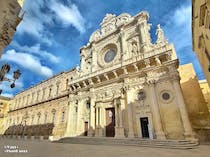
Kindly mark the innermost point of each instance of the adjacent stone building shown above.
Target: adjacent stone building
(201, 33)
(4, 108)
(9, 19)
(195, 101)
(125, 87)
(206, 91)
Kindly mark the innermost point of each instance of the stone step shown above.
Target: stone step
(177, 144)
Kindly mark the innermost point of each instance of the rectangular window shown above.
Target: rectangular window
(43, 94)
(57, 89)
(202, 14)
(63, 116)
(50, 91)
(45, 119)
(88, 105)
(37, 98)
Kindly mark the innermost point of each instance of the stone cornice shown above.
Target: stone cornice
(41, 102)
(152, 53)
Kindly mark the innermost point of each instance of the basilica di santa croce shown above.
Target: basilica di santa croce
(125, 87)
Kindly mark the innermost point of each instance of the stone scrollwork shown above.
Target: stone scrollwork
(109, 24)
(95, 36)
(123, 18)
(152, 77)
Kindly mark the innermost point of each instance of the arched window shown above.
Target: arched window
(45, 118)
(57, 87)
(67, 82)
(32, 119)
(50, 91)
(63, 116)
(53, 115)
(38, 117)
(17, 120)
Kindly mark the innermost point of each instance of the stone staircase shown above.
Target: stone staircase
(175, 144)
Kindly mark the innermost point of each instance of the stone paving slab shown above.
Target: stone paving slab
(38, 148)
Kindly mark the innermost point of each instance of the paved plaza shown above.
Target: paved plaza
(36, 148)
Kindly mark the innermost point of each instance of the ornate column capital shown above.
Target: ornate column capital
(151, 81)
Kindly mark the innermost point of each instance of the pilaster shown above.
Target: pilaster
(70, 125)
(155, 112)
(188, 131)
(119, 129)
(92, 126)
(129, 96)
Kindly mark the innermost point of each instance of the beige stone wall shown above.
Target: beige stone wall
(206, 91)
(46, 102)
(195, 102)
(201, 33)
(191, 90)
(4, 108)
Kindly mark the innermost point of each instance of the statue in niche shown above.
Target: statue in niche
(160, 35)
(78, 68)
(157, 60)
(134, 48)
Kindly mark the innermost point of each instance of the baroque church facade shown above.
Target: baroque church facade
(126, 86)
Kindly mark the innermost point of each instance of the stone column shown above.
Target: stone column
(96, 117)
(80, 122)
(144, 34)
(119, 129)
(123, 48)
(98, 122)
(94, 57)
(116, 114)
(182, 107)
(69, 126)
(155, 112)
(100, 131)
(92, 126)
(129, 96)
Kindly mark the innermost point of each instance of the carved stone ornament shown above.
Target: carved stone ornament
(108, 55)
(141, 95)
(109, 24)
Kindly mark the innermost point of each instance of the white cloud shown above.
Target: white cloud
(9, 95)
(40, 14)
(69, 15)
(28, 61)
(36, 49)
(178, 31)
(35, 21)
(178, 27)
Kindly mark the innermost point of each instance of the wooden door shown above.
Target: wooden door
(86, 129)
(110, 122)
(144, 127)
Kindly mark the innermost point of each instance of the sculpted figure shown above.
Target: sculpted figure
(134, 48)
(160, 35)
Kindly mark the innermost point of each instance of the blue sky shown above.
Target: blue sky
(49, 38)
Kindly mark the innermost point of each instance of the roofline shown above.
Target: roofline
(5, 98)
(62, 72)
